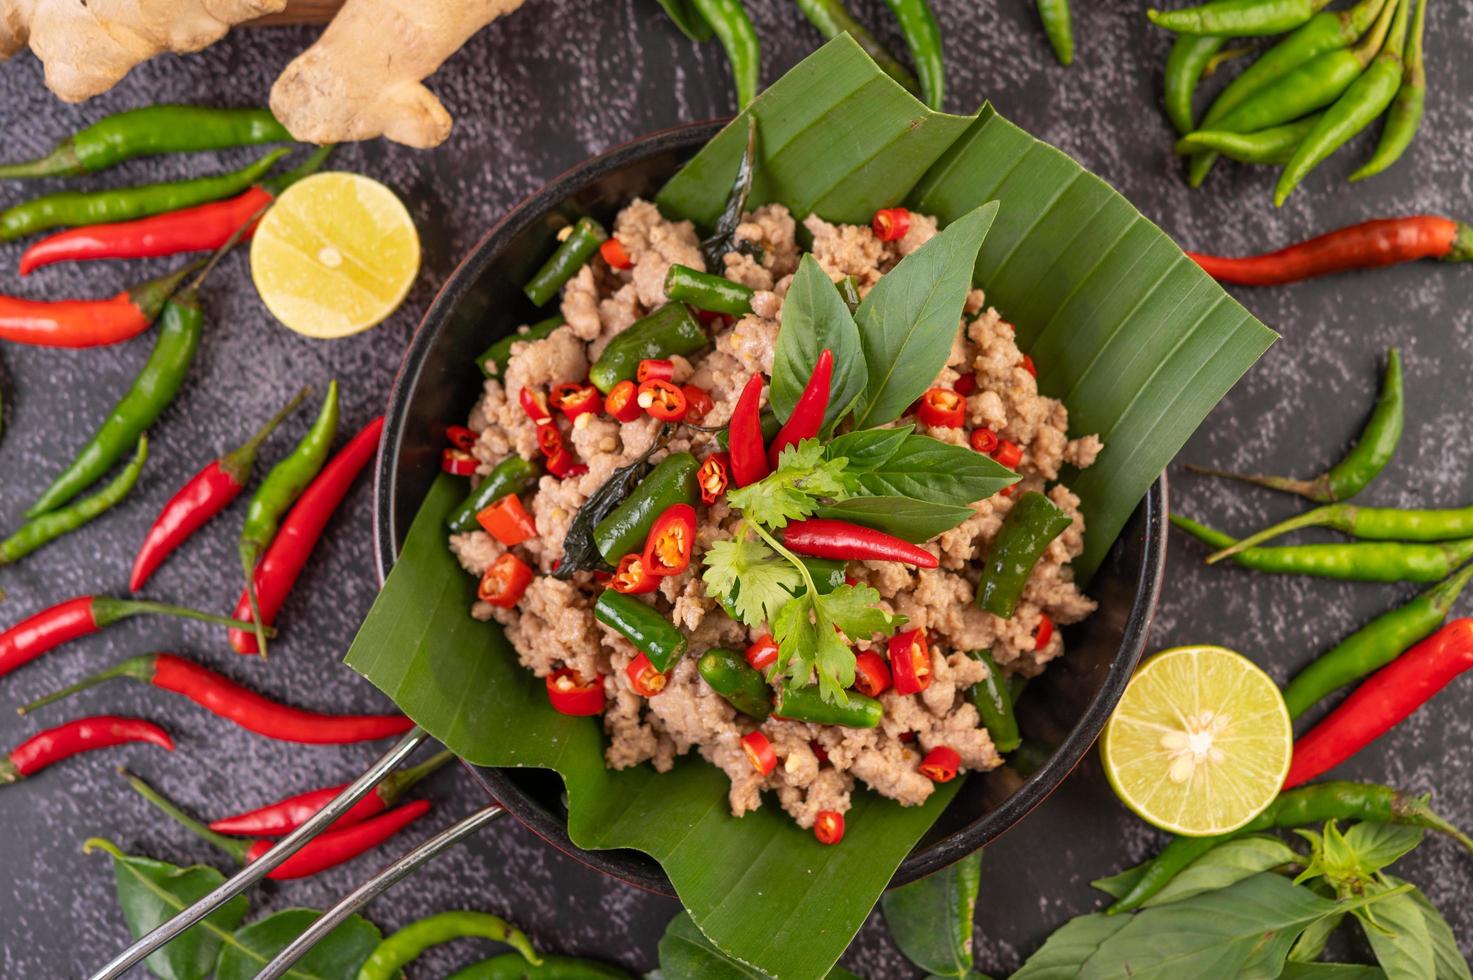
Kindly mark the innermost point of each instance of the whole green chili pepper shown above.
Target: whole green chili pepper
(672, 482)
(399, 949)
(832, 18)
(994, 700)
(737, 681)
(669, 330)
(1374, 645)
(807, 704)
(512, 475)
(923, 37)
(585, 238)
(1273, 145)
(1369, 524)
(733, 28)
(1361, 104)
(1357, 468)
(640, 624)
(704, 291)
(126, 203)
(493, 359)
(278, 491)
(1237, 18)
(1302, 807)
(512, 966)
(1184, 66)
(1026, 531)
(1059, 27)
(1359, 561)
(148, 132)
(48, 527)
(1405, 116)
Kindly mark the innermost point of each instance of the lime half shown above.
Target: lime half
(1200, 742)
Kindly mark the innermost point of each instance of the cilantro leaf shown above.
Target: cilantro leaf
(754, 580)
(809, 645)
(793, 491)
(855, 610)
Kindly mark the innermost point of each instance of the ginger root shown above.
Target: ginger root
(87, 46)
(362, 77)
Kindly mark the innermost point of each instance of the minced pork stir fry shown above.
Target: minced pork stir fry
(718, 593)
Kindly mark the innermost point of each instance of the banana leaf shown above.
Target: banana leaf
(1137, 341)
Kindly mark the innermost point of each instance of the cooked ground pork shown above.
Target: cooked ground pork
(553, 625)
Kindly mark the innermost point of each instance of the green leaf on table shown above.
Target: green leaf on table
(814, 319)
(686, 954)
(1331, 971)
(1380, 845)
(931, 919)
(1396, 928)
(909, 319)
(1311, 943)
(1445, 950)
(914, 520)
(752, 576)
(866, 449)
(1224, 865)
(688, 19)
(1065, 952)
(936, 471)
(152, 892)
(338, 954)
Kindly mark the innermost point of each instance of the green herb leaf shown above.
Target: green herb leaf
(855, 610)
(815, 318)
(752, 575)
(1311, 943)
(1119, 885)
(808, 646)
(931, 919)
(1065, 952)
(905, 517)
(686, 954)
(338, 954)
(1224, 865)
(1397, 931)
(909, 319)
(1446, 953)
(929, 469)
(1379, 845)
(793, 491)
(867, 449)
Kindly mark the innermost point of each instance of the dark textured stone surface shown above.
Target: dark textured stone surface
(531, 96)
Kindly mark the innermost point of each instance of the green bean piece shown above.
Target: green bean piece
(126, 203)
(993, 697)
(43, 530)
(832, 18)
(493, 359)
(807, 704)
(1362, 103)
(512, 475)
(1273, 145)
(668, 331)
(671, 482)
(1405, 116)
(923, 37)
(585, 238)
(704, 291)
(1059, 27)
(1184, 66)
(1360, 561)
(1362, 464)
(512, 966)
(1374, 645)
(737, 681)
(1368, 524)
(1237, 18)
(148, 132)
(733, 28)
(1031, 523)
(648, 629)
(401, 948)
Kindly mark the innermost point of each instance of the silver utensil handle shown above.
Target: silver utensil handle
(263, 866)
(374, 887)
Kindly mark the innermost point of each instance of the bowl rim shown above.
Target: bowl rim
(644, 872)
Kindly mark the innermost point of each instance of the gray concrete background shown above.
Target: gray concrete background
(535, 94)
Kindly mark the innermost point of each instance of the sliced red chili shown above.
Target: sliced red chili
(655, 369)
(763, 653)
(891, 224)
(1008, 454)
(457, 462)
(910, 661)
(633, 577)
(965, 385)
(662, 400)
(460, 437)
(615, 254)
(570, 695)
(714, 477)
(871, 676)
(563, 464)
(644, 678)
(1008, 491)
(622, 402)
(1028, 365)
(671, 541)
(819, 753)
(940, 764)
(534, 403)
(828, 826)
(1044, 633)
(759, 752)
(505, 581)
(984, 440)
(573, 399)
(508, 521)
(942, 408)
(698, 402)
(549, 440)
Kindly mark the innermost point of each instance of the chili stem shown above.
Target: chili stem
(138, 668)
(802, 568)
(106, 611)
(237, 849)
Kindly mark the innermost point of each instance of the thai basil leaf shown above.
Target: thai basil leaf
(1446, 953)
(580, 552)
(338, 954)
(153, 892)
(909, 319)
(1064, 954)
(1379, 845)
(1224, 865)
(686, 954)
(688, 19)
(867, 448)
(1331, 971)
(917, 521)
(1311, 943)
(721, 240)
(929, 469)
(931, 919)
(1397, 931)
(815, 318)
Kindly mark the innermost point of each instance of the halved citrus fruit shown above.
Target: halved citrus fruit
(1200, 742)
(335, 255)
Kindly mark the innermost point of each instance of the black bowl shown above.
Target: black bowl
(438, 382)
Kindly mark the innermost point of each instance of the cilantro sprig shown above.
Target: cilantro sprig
(804, 478)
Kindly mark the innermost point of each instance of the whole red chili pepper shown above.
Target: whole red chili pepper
(88, 322)
(713, 477)
(293, 544)
(206, 494)
(82, 735)
(1379, 704)
(281, 818)
(807, 417)
(220, 695)
(821, 537)
(79, 617)
(1385, 241)
(744, 436)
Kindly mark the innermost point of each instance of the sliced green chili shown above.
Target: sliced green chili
(668, 331)
(512, 475)
(832, 18)
(43, 530)
(1026, 531)
(1406, 112)
(993, 697)
(1273, 145)
(704, 291)
(493, 359)
(640, 624)
(737, 681)
(1058, 25)
(733, 28)
(807, 704)
(923, 37)
(399, 949)
(585, 238)
(1237, 18)
(672, 482)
